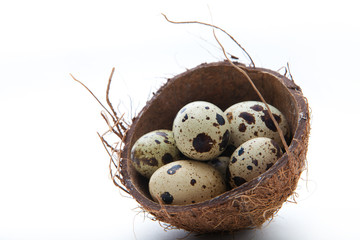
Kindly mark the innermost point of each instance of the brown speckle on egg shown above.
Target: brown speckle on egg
(257, 108)
(240, 151)
(242, 127)
(255, 162)
(163, 134)
(229, 116)
(220, 119)
(248, 117)
(145, 161)
(203, 143)
(167, 198)
(192, 182)
(269, 122)
(150, 162)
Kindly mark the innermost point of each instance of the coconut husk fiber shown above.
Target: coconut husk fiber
(249, 205)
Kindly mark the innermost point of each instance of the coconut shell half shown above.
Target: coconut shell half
(252, 203)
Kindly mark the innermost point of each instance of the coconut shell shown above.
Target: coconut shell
(251, 204)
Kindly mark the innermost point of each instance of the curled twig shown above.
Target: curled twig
(91, 94)
(216, 27)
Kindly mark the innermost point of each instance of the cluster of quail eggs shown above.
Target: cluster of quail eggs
(208, 151)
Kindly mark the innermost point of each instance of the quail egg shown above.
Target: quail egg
(154, 150)
(251, 159)
(186, 182)
(201, 130)
(251, 119)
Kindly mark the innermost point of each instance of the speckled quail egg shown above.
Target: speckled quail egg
(186, 182)
(201, 130)
(154, 150)
(220, 163)
(251, 159)
(251, 119)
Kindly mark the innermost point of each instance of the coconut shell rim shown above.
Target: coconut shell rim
(302, 116)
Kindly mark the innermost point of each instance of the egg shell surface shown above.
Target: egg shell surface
(251, 159)
(251, 119)
(154, 150)
(186, 182)
(201, 130)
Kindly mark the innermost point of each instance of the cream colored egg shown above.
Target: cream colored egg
(251, 119)
(201, 130)
(154, 150)
(185, 182)
(251, 159)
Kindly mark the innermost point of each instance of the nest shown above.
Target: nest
(249, 205)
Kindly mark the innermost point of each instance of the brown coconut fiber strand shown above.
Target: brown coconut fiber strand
(222, 83)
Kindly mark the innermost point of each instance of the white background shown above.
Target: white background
(54, 179)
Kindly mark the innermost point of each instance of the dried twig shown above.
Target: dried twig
(91, 94)
(113, 128)
(213, 26)
(258, 93)
(115, 117)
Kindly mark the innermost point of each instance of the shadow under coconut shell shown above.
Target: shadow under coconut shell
(249, 234)
(268, 232)
(242, 234)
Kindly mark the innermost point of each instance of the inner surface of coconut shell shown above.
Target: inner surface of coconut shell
(221, 84)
